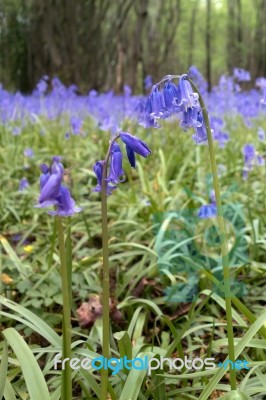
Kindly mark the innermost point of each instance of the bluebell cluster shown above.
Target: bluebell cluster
(172, 99)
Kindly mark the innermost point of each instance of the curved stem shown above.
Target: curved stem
(223, 239)
(66, 385)
(106, 285)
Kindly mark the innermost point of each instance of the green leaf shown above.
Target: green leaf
(32, 373)
(134, 381)
(3, 369)
(235, 395)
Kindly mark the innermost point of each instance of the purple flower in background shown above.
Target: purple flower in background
(67, 135)
(261, 134)
(251, 158)
(28, 152)
(23, 184)
(207, 211)
(148, 82)
(241, 75)
(53, 193)
(134, 145)
(16, 131)
(222, 138)
(76, 124)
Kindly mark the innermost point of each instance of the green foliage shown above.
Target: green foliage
(174, 179)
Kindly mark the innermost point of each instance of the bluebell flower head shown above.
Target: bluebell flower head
(171, 92)
(98, 170)
(52, 193)
(190, 119)
(207, 211)
(50, 189)
(28, 152)
(23, 184)
(76, 125)
(66, 206)
(200, 135)
(261, 134)
(116, 168)
(148, 82)
(187, 97)
(249, 153)
(134, 145)
(241, 75)
(45, 175)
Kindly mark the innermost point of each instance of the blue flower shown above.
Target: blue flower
(171, 92)
(207, 211)
(98, 170)
(200, 135)
(53, 193)
(261, 134)
(116, 168)
(28, 152)
(23, 184)
(66, 206)
(187, 97)
(134, 145)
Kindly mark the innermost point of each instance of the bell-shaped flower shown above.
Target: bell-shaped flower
(187, 97)
(66, 206)
(134, 145)
(52, 193)
(116, 168)
(98, 170)
(45, 175)
(50, 188)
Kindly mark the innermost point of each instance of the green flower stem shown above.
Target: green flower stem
(66, 385)
(105, 285)
(224, 245)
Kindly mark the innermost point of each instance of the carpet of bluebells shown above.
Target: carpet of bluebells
(151, 266)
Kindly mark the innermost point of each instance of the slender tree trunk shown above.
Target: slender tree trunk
(191, 33)
(208, 45)
(230, 35)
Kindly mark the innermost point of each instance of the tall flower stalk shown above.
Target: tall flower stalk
(108, 173)
(223, 240)
(185, 100)
(53, 193)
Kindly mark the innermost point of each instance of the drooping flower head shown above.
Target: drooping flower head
(53, 193)
(133, 146)
(174, 99)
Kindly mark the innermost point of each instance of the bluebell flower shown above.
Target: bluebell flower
(241, 75)
(116, 168)
(50, 189)
(98, 170)
(251, 158)
(52, 192)
(28, 152)
(76, 124)
(148, 82)
(200, 136)
(171, 92)
(190, 119)
(16, 131)
(45, 175)
(23, 184)
(261, 134)
(134, 145)
(207, 211)
(66, 206)
(187, 97)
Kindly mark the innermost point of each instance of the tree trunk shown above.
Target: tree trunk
(208, 45)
